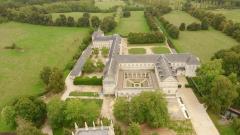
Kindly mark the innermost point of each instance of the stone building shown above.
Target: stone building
(128, 75)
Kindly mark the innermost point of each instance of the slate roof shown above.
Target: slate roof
(162, 63)
(77, 69)
(92, 131)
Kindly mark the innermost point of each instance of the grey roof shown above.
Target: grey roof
(92, 131)
(77, 69)
(162, 63)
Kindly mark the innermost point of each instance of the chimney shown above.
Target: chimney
(86, 127)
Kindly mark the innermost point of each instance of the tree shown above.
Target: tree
(149, 107)
(26, 128)
(182, 27)
(55, 112)
(70, 21)
(61, 20)
(100, 66)
(204, 24)
(126, 14)
(236, 125)
(56, 81)
(95, 21)
(222, 94)
(118, 129)
(134, 129)
(86, 14)
(88, 67)
(121, 110)
(31, 109)
(96, 51)
(105, 52)
(45, 74)
(83, 22)
(108, 24)
(8, 114)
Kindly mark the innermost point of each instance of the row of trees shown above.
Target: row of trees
(87, 81)
(171, 29)
(194, 26)
(150, 21)
(142, 38)
(217, 21)
(147, 107)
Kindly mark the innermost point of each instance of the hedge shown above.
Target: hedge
(87, 81)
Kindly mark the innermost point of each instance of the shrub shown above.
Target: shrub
(236, 125)
(172, 30)
(87, 81)
(142, 38)
(182, 27)
(126, 14)
(194, 26)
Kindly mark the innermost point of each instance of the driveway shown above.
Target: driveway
(201, 122)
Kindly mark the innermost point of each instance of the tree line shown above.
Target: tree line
(143, 38)
(217, 21)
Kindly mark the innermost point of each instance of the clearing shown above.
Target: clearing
(106, 4)
(232, 14)
(201, 43)
(41, 46)
(135, 23)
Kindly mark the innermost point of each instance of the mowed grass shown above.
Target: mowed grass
(106, 4)
(135, 23)
(77, 15)
(136, 51)
(160, 50)
(42, 46)
(177, 17)
(231, 14)
(200, 43)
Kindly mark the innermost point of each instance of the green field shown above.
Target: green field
(41, 46)
(135, 23)
(233, 14)
(160, 50)
(201, 43)
(136, 51)
(106, 4)
(177, 17)
(77, 15)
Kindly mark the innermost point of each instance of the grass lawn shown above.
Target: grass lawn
(200, 43)
(223, 129)
(89, 94)
(160, 50)
(135, 23)
(106, 4)
(136, 51)
(177, 17)
(42, 46)
(231, 14)
(77, 15)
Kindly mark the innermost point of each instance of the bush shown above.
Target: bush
(194, 26)
(87, 81)
(236, 125)
(172, 30)
(143, 38)
(182, 27)
(126, 13)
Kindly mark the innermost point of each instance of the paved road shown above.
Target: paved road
(202, 123)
